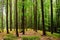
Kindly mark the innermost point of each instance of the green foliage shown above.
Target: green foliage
(10, 37)
(56, 35)
(30, 38)
(29, 14)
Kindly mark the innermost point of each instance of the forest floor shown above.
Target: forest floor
(32, 33)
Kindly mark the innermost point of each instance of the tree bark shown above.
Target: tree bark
(10, 15)
(23, 18)
(51, 17)
(7, 17)
(2, 16)
(43, 26)
(16, 18)
(35, 15)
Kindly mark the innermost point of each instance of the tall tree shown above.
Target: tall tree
(2, 14)
(57, 13)
(7, 16)
(16, 18)
(31, 15)
(19, 15)
(43, 26)
(35, 15)
(55, 29)
(51, 16)
(23, 18)
(10, 15)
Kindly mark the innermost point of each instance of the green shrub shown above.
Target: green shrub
(10, 37)
(30, 38)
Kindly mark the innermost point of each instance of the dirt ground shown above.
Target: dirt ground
(31, 33)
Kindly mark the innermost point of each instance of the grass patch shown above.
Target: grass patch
(56, 35)
(30, 38)
(10, 37)
(53, 35)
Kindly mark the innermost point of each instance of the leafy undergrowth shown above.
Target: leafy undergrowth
(30, 33)
(56, 35)
(10, 37)
(49, 36)
(30, 38)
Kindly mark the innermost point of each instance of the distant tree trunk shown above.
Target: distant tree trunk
(2, 15)
(19, 21)
(55, 29)
(26, 23)
(51, 17)
(23, 18)
(35, 15)
(57, 13)
(10, 15)
(31, 17)
(7, 17)
(39, 21)
(26, 20)
(43, 26)
(16, 18)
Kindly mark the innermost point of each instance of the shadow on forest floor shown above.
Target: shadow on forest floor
(33, 33)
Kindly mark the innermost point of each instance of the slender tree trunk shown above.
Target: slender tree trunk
(10, 15)
(7, 17)
(16, 18)
(51, 17)
(25, 25)
(31, 16)
(39, 21)
(43, 26)
(23, 18)
(2, 15)
(57, 13)
(35, 15)
(19, 21)
(56, 17)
